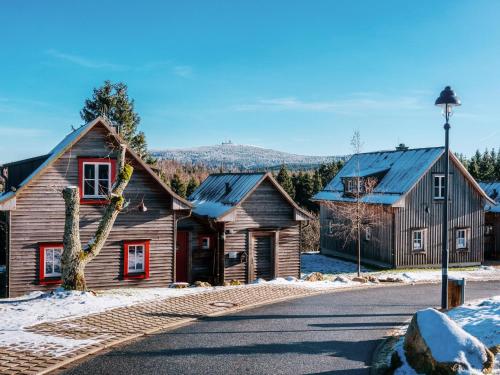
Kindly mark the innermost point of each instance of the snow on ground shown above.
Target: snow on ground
(315, 262)
(480, 319)
(38, 307)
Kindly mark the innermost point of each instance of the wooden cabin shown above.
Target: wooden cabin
(492, 221)
(407, 201)
(139, 251)
(244, 227)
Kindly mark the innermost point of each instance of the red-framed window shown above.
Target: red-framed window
(95, 179)
(50, 270)
(136, 259)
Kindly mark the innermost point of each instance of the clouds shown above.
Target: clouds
(183, 71)
(355, 103)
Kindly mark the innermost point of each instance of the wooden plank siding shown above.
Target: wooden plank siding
(39, 217)
(422, 211)
(265, 209)
(378, 250)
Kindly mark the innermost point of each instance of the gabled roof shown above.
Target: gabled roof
(399, 171)
(66, 144)
(221, 193)
(493, 191)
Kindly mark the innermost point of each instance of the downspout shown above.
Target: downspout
(218, 268)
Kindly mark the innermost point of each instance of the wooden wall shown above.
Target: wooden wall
(422, 211)
(264, 209)
(39, 217)
(492, 252)
(378, 250)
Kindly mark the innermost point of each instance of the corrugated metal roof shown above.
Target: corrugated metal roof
(493, 191)
(221, 192)
(402, 168)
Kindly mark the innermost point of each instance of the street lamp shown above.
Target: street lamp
(447, 100)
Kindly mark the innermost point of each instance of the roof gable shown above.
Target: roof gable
(69, 141)
(220, 194)
(402, 171)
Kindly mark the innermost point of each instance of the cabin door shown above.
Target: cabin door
(181, 257)
(262, 259)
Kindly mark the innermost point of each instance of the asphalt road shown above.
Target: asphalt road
(334, 333)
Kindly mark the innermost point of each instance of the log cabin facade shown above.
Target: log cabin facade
(492, 221)
(244, 227)
(407, 201)
(139, 251)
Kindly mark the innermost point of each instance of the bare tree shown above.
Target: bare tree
(75, 257)
(352, 218)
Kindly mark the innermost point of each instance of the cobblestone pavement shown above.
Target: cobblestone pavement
(93, 333)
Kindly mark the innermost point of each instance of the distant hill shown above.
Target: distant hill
(242, 157)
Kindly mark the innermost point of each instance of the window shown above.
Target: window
(418, 240)
(368, 233)
(205, 243)
(136, 260)
(50, 263)
(330, 227)
(96, 177)
(439, 186)
(462, 238)
(350, 186)
(488, 230)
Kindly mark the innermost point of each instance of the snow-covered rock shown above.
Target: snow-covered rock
(434, 344)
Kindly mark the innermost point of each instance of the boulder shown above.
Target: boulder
(179, 285)
(202, 284)
(359, 279)
(315, 276)
(342, 279)
(434, 344)
(373, 279)
(391, 280)
(232, 283)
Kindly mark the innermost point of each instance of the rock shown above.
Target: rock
(202, 284)
(179, 285)
(232, 283)
(373, 279)
(434, 344)
(359, 279)
(315, 276)
(391, 280)
(342, 279)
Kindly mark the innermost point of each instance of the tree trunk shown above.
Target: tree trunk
(75, 258)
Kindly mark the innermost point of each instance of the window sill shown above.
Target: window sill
(465, 250)
(50, 281)
(135, 276)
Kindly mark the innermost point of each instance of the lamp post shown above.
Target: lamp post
(447, 100)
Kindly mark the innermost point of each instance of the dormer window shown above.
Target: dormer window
(354, 185)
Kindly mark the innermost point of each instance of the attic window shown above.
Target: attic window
(96, 175)
(354, 185)
(438, 186)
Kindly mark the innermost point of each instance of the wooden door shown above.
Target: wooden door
(181, 257)
(262, 256)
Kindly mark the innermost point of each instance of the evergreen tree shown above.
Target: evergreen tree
(304, 188)
(191, 186)
(111, 101)
(178, 186)
(473, 165)
(285, 180)
(317, 182)
(327, 172)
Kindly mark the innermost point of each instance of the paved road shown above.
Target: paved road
(332, 333)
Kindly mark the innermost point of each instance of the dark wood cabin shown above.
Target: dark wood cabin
(407, 202)
(140, 249)
(492, 221)
(244, 227)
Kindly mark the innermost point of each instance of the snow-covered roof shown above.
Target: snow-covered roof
(221, 193)
(493, 191)
(66, 144)
(400, 171)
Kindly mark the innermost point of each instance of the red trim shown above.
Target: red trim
(80, 178)
(42, 280)
(139, 275)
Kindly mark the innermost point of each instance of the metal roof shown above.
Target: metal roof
(402, 168)
(490, 188)
(220, 192)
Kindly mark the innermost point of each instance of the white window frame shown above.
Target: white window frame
(330, 226)
(422, 233)
(205, 243)
(96, 178)
(368, 233)
(135, 247)
(46, 260)
(440, 186)
(350, 185)
(462, 243)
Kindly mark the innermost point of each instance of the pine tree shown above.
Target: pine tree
(111, 101)
(191, 187)
(178, 186)
(285, 180)
(317, 182)
(473, 165)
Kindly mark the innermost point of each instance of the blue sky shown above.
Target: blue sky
(298, 76)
